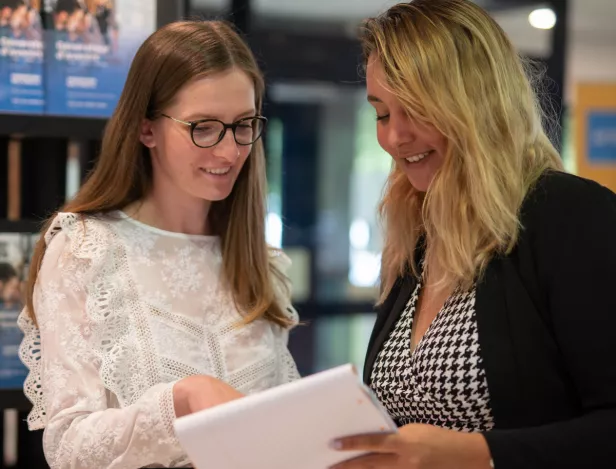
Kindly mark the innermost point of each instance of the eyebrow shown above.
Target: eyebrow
(200, 116)
(374, 99)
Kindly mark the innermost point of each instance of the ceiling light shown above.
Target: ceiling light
(542, 18)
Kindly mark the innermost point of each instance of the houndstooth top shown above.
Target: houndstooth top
(442, 382)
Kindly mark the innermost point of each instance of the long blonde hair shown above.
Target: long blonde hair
(168, 59)
(452, 66)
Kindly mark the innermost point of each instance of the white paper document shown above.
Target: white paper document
(287, 427)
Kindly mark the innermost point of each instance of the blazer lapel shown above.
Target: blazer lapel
(391, 314)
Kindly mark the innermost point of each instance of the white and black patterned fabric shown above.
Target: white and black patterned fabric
(442, 382)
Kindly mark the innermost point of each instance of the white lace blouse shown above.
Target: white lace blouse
(124, 310)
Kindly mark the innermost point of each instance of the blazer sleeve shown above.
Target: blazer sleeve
(573, 236)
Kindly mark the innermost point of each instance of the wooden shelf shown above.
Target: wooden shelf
(14, 399)
(27, 125)
(20, 226)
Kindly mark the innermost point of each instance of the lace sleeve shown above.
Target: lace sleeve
(283, 293)
(69, 398)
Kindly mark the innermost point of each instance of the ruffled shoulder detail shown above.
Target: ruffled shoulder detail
(30, 355)
(86, 239)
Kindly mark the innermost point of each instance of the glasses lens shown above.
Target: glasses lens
(248, 130)
(207, 133)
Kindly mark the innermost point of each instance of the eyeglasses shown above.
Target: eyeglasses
(206, 133)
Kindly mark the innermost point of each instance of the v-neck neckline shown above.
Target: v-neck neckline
(415, 297)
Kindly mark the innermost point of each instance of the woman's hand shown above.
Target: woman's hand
(196, 393)
(417, 446)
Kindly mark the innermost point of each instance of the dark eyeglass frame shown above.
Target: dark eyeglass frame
(193, 125)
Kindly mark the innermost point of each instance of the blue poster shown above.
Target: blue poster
(15, 253)
(88, 52)
(601, 136)
(21, 57)
(12, 371)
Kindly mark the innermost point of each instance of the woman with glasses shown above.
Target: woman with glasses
(153, 293)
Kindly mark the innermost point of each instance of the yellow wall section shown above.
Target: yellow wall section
(589, 97)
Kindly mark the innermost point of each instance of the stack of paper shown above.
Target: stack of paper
(287, 427)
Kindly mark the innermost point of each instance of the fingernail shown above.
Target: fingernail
(335, 444)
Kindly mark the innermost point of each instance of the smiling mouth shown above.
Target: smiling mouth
(216, 171)
(418, 157)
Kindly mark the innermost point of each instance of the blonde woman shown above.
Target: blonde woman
(153, 293)
(495, 341)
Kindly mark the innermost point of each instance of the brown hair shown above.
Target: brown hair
(168, 60)
(452, 66)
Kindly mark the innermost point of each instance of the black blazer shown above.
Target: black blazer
(546, 317)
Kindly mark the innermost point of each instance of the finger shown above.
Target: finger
(378, 443)
(370, 461)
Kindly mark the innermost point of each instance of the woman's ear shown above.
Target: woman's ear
(147, 133)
